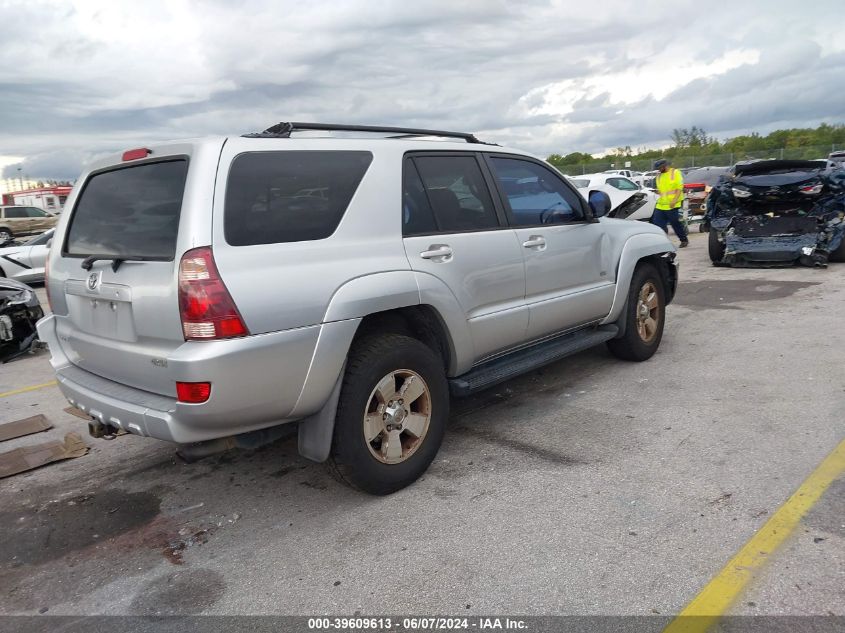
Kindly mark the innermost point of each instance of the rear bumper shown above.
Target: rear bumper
(776, 250)
(257, 382)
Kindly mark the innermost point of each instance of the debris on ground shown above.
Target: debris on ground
(28, 457)
(79, 413)
(721, 498)
(189, 538)
(24, 426)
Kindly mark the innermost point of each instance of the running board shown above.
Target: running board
(511, 365)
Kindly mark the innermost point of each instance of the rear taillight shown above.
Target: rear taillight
(193, 392)
(207, 309)
(812, 190)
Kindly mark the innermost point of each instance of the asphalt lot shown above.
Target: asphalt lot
(593, 486)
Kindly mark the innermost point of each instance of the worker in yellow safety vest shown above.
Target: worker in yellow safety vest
(670, 189)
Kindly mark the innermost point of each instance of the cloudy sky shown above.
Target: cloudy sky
(82, 78)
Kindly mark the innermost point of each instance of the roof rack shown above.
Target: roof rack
(284, 129)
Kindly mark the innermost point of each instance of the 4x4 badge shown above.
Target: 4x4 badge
(93, 280)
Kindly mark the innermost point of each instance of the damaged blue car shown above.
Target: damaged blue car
(777, 213)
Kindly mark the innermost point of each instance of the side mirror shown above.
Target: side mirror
(599, 203)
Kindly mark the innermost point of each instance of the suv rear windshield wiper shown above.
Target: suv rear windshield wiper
(117, 260)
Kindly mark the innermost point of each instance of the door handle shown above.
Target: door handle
(535, 241)
(438, 253)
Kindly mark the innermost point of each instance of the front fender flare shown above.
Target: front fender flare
(635, 248)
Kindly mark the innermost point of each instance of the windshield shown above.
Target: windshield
(129, 212)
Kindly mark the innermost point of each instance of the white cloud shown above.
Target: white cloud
(83, 77)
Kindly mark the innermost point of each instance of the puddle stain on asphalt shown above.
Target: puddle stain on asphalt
(82, 542)
(39, 534)
(182, 593)
(719, 295)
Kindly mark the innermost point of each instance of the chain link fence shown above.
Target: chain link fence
(711, 160)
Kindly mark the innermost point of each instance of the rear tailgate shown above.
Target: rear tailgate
(118, 317)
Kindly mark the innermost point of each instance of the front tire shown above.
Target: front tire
(715, 248)
(391, 416)
(645, 314)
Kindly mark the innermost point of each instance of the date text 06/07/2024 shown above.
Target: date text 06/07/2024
(415, 624)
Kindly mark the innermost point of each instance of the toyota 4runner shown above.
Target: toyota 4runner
(211, 292)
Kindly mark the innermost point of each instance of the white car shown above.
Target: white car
(25, 261)
(627, 199)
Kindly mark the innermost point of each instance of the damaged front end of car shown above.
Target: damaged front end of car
(778, 213)
(629, 207)
(19, 312)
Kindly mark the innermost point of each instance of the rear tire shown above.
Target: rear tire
(391, 416)
(5, 236)
(645, 314)
(715, 248)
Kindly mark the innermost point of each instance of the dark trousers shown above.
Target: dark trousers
(673, 216)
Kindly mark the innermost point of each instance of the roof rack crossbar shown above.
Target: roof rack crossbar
(284, 129)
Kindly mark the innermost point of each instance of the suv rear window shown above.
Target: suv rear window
(130, 211)
(292, 196)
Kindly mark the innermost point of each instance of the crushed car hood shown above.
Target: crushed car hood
(775, 212)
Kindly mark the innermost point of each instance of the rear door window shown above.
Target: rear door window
(293, 196)
(16, 212)
(417, 216)
(457, 193)
(131, 211)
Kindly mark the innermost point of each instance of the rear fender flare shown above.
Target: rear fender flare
(368, 295)
(380, 292)
(635, 248)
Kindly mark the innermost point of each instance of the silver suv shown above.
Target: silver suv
(213, 292)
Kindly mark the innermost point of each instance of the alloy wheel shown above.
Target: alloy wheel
(397, 416)
(648, 312)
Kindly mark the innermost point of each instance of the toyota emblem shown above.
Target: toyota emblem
(93, 281)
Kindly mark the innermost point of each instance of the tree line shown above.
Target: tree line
(695, 141)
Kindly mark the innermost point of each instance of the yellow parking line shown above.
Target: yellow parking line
(720, 593)
(15, 392)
